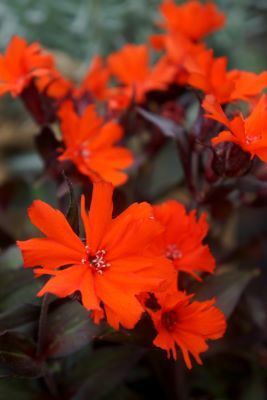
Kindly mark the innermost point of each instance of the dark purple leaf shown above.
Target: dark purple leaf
(18, 316)
(108, 369)
(47, 145)
(168, 127)
(17, 357)
(226, 286)
(69, 328)
(73, 210)
(12, 280)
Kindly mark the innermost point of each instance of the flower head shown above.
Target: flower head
(187, 325)
(94, 83)
(90, 145)
(96, 80)
(249, 133)
(181, 241)
(55, 85)
(191, 19)
(209, 74)
(111, 268)
(131, 67)
(20, 64)
(179, 51)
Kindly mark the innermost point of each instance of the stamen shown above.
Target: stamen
(96, 261)
(85, 153)
(82, 151)
(253, 139)
(172, 252)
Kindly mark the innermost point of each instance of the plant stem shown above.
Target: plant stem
(42, 325)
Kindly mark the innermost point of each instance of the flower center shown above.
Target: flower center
(253, 139)
(96, 261)
(83, 152)
(169, 320)
(172, 252)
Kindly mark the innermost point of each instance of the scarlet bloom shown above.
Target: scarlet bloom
(131, 67)
(20, 64)
(94, 84)
(90, 145)
(192, 19)
(210, 75)
(182, 239)
(187, 325)
(249, 133)
(179, 49)
(55, 85)
(96, 80)
(111, 268)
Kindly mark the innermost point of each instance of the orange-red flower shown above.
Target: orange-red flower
(55, 85)
(187, 325)
(90, 145)
(181, 241)
(96, 80)
(191, 19)
(179, 51)
(94, 83)
(210, 75)
(111, 268)
(249, 133)
(20, 64)
(131, 67)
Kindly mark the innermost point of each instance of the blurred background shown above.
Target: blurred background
(77, 29)
(82, 27)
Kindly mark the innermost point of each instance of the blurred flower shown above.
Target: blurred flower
(209, 74)
(95, 80)
(249, 133)
(187, 325)
(21, 64)
(191, 19)
(55, 85)
(130, 66)
(111, 268)
(90, 145)
(181, 241)
(179, 49)
(94, 83)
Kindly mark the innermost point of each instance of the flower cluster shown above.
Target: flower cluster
(124, 261)
(133, 265)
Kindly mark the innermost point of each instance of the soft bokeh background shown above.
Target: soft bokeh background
(83, 27)
(77, 29)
